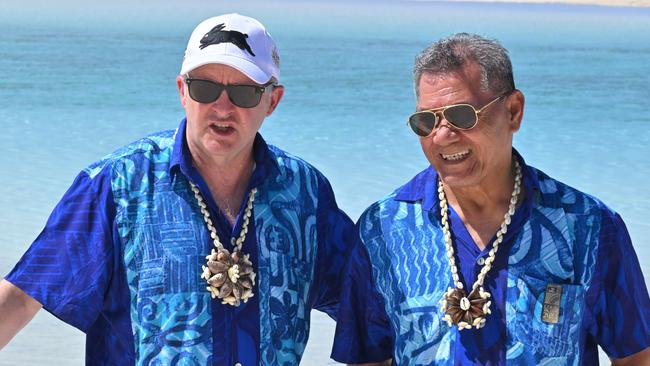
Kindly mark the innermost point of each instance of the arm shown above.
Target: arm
(621, 306)
(638, 359)
(363, 332)
(68, 267)
(16, 310)
(335, 236)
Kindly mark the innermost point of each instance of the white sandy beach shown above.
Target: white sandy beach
(636, 3)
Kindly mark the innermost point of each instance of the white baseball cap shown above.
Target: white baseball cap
(237, 41)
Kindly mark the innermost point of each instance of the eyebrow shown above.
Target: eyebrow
(447, 105)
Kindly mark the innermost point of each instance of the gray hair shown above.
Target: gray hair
(451, 54)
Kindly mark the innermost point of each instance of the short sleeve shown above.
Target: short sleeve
(363, 332)
(620, 296)
(335, 236)
(67, 268)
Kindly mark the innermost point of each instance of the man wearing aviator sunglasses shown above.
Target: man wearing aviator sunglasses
(481, 259)
(461, 116)
(202, 245)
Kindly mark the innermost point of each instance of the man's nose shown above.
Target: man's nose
(223, 102)
(445, 133)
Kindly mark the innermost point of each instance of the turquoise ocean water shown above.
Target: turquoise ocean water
(80, 79)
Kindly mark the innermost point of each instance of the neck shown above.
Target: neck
(482, 208)
(227, 180)
(477, 202)
(226, 175)
(484, 197)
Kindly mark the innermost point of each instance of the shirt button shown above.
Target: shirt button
(481, 261)
(238, 364)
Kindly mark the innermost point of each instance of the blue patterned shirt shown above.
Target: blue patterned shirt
(120, 258)
(399, 273)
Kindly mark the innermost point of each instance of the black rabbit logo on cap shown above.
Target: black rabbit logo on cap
(217, 35)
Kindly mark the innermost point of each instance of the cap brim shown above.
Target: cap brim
(245, 66)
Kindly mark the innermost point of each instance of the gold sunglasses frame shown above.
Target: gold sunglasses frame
(441, 110)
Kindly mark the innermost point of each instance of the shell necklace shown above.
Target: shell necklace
(467, 311)
(230, 276)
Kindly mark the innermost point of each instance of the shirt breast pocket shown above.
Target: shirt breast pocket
(538, 332)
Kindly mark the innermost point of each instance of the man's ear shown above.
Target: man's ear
(276, 96)
(180, 83)
(515, 106)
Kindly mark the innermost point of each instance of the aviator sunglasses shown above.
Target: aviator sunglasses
(461, 116)
(241, 95)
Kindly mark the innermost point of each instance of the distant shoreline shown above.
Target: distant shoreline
(627, 3)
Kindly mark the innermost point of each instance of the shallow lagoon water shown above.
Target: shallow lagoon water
(81, 81)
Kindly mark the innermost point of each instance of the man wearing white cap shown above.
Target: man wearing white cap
(202, 245)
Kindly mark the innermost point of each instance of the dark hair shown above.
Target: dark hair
(452, 53)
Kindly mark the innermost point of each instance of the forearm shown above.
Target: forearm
(638, 359)
(16, 310)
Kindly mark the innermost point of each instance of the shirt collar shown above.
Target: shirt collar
(181, 158)
(423, 187)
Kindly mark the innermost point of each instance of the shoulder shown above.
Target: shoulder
(151, 148)
(402, 209)
(555, 194)
(289, 165)
(379, 216)
(373, 211)
(405, 202)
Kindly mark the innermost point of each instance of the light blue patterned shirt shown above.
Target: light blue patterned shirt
(120, 258)
(398, 275)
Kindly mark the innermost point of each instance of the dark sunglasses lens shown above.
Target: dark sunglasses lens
(422, 123)
(204, 91)
(244, 96)
(461, 116)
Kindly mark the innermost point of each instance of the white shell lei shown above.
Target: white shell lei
(224, 271)
(469, 310)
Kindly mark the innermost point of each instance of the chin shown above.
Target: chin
(456, 180)
(461, 175)
(215, 147)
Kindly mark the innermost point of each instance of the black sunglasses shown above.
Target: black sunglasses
(461, 116)
(241, 95)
